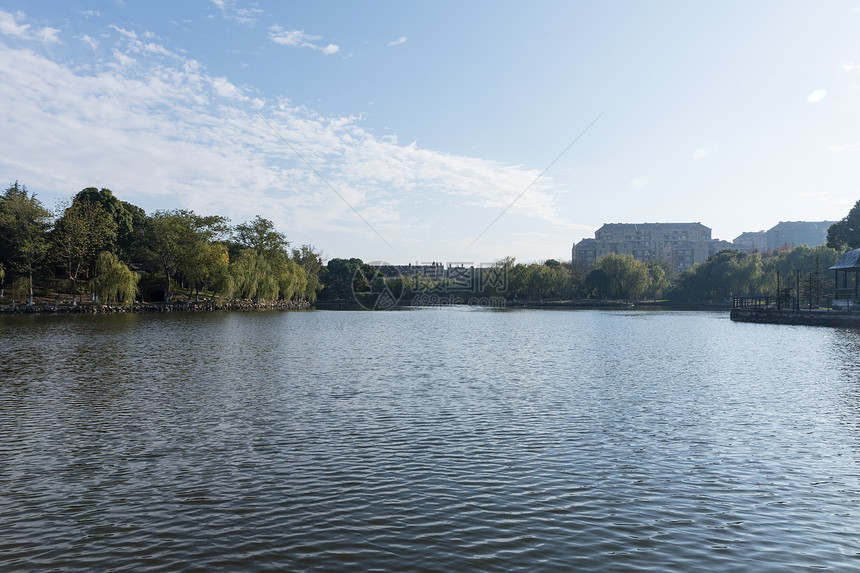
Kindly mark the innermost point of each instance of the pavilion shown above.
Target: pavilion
(849, 261)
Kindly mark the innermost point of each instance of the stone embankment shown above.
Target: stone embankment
(236, 305)
(797, 317)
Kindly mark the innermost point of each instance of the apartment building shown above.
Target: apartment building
(788, 234)
(680, 244)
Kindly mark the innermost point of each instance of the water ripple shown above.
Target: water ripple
(427, 441)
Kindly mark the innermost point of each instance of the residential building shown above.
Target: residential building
(751, 241)
(680, 244)
(784, 234)
(795, 233)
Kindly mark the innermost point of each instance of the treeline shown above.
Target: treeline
(102, 246)
(798, 272)
(107, 249)
(787, 273)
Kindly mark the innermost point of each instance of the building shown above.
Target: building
(795, 233)
(680, 244)
(788, 234)
(751, 241)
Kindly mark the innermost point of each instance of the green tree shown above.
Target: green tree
(659, 277)
(115, 283)
(202, 258)
(343, 277)
(812, 262)
(167, 234)
(845, 234)
(124, 215)
(266, 270)
(131, 244)
(253, 277)
(260, 235)
(597, 283)
(179, 243)
(311, 262)
(725, 274)
(628, 278)
(24, 224)
(82, 231)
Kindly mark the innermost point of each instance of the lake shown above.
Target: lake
(427, 440)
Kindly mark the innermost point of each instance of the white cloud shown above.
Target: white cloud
(298, 39)
(398, 42)
(700, 153)
(816, 96)
(10, 26)
(841, 148)
(639, 182)
(246, 16)
(93, 43)
(162, 133)
(224, 88)
(123, 59)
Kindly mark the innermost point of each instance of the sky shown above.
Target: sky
(443, 131)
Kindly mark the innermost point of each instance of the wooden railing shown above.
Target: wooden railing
(762, 302)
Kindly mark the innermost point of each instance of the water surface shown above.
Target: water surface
(427, 440)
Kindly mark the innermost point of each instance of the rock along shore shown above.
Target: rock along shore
(237, 305)
(834, 318)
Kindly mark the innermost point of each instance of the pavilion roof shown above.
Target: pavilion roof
(849, 261)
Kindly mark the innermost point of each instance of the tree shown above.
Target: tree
(130, 244)
(115, 282)
(83, 230)
(177, 242)
(813, 262)
(845, 234)
(628, 278)
(659, 277)
(114, 209)
(203, 257)
(597, 283)
(311, 262)
(260, 235)
(167, 233)
(252, 276)
(343, 277)
(24, 223)
(210, 269)
(266, 270)
(725, 274)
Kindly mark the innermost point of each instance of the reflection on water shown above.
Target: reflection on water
(429, 440)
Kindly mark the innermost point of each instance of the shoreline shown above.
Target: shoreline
(831, 318)
(151, 307)
(248, 306)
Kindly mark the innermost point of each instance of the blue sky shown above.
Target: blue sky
(400, 131)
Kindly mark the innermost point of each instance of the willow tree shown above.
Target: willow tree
(267, 277)
(253, 276)
(115, 283)
(311, 262)
(628, 278)
(265, 270)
